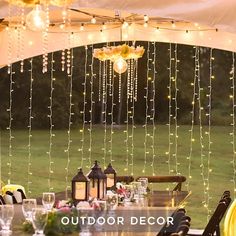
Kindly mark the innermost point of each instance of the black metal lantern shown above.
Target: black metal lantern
(98, 182)
(111, 176)
(80, 187)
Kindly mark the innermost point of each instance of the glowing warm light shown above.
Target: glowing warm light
(125, 24)
(145, 24)
(104, 26)
(82, 27)
(120, 65)
(173, 24)
(146, 18)
(93, 20)
(36, 20)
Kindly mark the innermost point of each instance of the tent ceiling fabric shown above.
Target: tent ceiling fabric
(209, 14)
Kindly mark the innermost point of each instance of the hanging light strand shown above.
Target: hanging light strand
(132, 114)
(91, 108)
(45, 42)
(136, 81)
(147, 116)
(154, 108)
(209, 169)
(22, 39)
(175, 154)
(82, 130)
(50, 116)
(201, 140)
(194, 97)
(100, 81)
(169, 111)
(29, 174)
(104, 111)
(10, 40)
(9, 163)
(112, 84)
(68, 150)
(126, 131)
(232, 97)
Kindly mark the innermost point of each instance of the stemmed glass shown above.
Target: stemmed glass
(6, 216)
(27, 207)
(48, 200)
(39, 220)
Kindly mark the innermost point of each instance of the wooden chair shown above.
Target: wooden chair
(213, 226)
(166, 179)
(125, 179)
(181, 224)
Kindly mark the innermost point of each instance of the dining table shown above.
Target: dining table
(155, 208)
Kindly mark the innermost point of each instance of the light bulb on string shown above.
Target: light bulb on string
(93, 20)
(36, 20)
(82, 27)
(120, 65)
(104, 26)
(145, 18)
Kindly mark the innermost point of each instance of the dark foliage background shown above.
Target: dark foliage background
(221, 106)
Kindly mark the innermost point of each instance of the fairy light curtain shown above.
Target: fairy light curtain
(101, 85)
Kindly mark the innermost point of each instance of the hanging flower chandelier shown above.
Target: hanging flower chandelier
(118, 55)
(31, 3)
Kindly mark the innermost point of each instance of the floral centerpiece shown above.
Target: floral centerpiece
(121, 51)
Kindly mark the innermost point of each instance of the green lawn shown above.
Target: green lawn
(220, 178)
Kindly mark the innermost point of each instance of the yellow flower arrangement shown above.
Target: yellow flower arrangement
(113, 53)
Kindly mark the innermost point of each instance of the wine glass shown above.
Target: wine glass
(39, 220)
(6, 216)
(48, 200)
(27, 207)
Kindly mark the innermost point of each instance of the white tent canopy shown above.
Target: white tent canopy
(210, 23)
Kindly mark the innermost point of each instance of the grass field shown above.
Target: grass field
(220, 178)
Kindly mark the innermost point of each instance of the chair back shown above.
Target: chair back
(214, 222)
(181, 224)
(166, 179)
(125, 179)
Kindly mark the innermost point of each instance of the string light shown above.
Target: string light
(112, 84)
(168, 153)
(10, 38)
(146, 18)
(132, 122)
(82, 131)
(104, 110)
(29, 181)
(232, 97)
(201, 140)
(209, 170)
(175, 154)
(91, 108)
(50, 116)
(192, 140)
(9, 163)
(136, 81)
(70, 77)
(126, 131)
(93, 20)
(153, 109)
(45, 42)
(120, 84)
(147, 116)
(22, 29)
(99, 80)
(82, 27)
